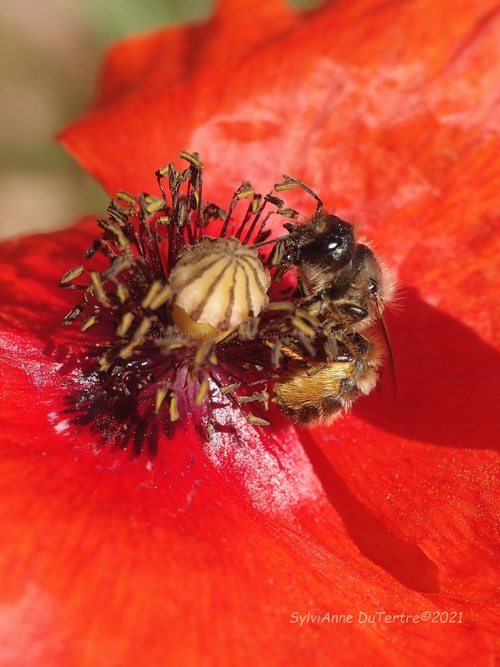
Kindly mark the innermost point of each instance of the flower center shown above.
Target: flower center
(195, 332)
(218, 285)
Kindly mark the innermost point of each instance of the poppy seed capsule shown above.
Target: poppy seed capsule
(219, 283)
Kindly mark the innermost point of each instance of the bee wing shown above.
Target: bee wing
(385, 335)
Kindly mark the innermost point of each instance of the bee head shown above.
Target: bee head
(325, 242)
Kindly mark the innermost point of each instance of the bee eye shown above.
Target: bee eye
(335, 246)
(323, 246)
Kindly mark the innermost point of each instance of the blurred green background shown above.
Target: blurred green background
(49, 56)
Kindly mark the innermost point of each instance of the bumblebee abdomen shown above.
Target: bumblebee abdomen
(310, 397)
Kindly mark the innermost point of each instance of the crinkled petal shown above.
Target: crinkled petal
(214, 555)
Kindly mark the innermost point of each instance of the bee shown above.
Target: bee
(342, 284)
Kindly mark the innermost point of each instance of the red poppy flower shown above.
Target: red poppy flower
(374, 540)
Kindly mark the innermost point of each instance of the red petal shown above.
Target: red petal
(119, 557)
(175, 81)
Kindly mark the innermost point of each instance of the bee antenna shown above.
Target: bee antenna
(290, 183)
(280, 238)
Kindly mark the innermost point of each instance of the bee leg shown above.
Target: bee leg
(312, 301)
(303, 287)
